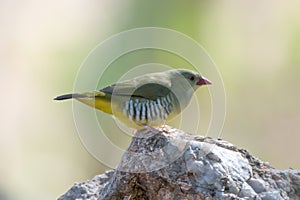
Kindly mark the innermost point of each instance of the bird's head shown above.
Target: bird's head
(193, 78)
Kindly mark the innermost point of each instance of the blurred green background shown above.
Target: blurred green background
(256, 46)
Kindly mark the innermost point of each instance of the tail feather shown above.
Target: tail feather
(96, 99)
(69, 96)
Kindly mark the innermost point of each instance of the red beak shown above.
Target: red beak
(203, 81)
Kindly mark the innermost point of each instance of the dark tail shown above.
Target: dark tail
(69, 96)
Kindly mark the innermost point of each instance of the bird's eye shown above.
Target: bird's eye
(192, 78)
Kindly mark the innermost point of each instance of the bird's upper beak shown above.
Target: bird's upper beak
(203, 81)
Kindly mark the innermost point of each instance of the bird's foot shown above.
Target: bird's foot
(165, 128)
(151, 129)
(148, 131)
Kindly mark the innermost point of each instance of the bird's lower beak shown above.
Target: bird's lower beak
(204, 81)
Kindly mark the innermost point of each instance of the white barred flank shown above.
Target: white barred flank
(142, 110)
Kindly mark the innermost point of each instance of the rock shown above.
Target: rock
(176, 165)
(258, 185)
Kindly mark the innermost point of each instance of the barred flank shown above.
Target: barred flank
(142, 110)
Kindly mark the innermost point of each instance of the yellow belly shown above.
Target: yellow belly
(122, 107)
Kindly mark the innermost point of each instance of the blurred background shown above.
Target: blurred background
(255, 44)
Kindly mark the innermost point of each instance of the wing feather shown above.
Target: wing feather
(150, 86)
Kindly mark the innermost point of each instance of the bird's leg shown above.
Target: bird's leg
(147, 132)
(164, 127)
(135, 131)
(151, 129)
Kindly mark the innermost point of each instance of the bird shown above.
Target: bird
(148, 100)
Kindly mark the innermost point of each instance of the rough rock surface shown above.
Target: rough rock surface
(176, 165)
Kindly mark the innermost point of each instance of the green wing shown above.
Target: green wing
(150, 91)
(148, 86)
